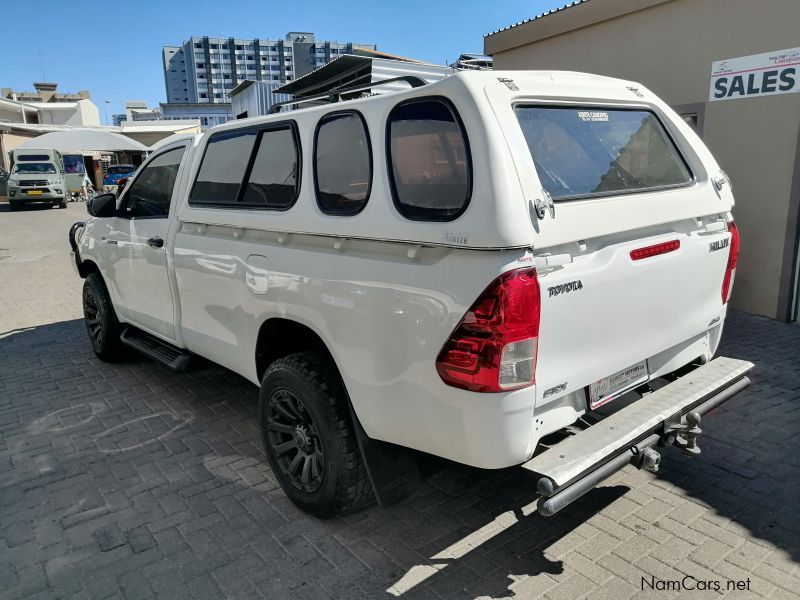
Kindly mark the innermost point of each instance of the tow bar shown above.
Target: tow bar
(669, 416)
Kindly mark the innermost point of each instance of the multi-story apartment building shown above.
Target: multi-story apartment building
(205, 69)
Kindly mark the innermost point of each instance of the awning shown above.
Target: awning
(83, 140)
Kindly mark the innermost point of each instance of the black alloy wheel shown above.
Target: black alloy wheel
(101, 321)
(91, 313)
(308, 435)
(294, 439)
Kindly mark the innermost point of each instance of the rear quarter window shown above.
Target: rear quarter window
(581, 152)
(430, 167)
(342, 163)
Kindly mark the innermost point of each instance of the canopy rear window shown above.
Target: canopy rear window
(582, 152)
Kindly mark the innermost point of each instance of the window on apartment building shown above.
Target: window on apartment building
(224, 46)
(198, 45)
(204, 95)
(342, 163)
(214, 46)
(201, 65)
(273, 179)
(226, 76)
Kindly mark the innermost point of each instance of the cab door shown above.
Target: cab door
(142, 282)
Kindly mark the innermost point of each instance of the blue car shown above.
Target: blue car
(114, 174)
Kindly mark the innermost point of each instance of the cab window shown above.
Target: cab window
(223, 168)
(273, 181)
(151, 191)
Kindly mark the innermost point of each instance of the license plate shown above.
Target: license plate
(34, 192)
(612, 386)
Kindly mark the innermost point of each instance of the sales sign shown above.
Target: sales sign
(764, 74)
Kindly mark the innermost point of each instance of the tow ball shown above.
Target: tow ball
(686, 436)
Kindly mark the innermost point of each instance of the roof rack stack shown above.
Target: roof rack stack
(335, 95)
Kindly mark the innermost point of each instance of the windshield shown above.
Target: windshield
(582, 152)
(74, 164)
(34, 168)
(118, 170)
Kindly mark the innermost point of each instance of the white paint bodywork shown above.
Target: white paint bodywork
(384, 293)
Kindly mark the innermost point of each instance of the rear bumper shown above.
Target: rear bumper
(572, 467)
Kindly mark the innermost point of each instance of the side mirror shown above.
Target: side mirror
(102, 206)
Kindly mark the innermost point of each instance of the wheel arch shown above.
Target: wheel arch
(279, 337)
(85, 267)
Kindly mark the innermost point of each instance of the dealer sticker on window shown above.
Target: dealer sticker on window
(612, 386)
(592, 115)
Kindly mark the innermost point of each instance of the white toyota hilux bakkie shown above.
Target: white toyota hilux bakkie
(499, 268)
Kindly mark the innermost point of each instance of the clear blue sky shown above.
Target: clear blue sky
(113, 49)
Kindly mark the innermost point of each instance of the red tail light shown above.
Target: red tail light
(733, 259)
(493, 348)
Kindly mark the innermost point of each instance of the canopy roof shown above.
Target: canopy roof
(83, 140)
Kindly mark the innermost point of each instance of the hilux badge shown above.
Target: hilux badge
(718, 245)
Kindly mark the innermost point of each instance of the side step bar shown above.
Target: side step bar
(177, 359)
(670, 415)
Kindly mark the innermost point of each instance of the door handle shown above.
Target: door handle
(155, 242)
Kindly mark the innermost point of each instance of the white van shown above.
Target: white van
(499, 268)
(37, 176)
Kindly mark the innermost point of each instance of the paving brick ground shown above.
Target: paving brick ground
(130, 481)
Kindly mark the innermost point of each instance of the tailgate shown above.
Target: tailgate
(637, 239)
(606, 311)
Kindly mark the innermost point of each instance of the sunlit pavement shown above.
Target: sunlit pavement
(130, 481)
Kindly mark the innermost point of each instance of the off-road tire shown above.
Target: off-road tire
(100, 319)
(315, 382)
